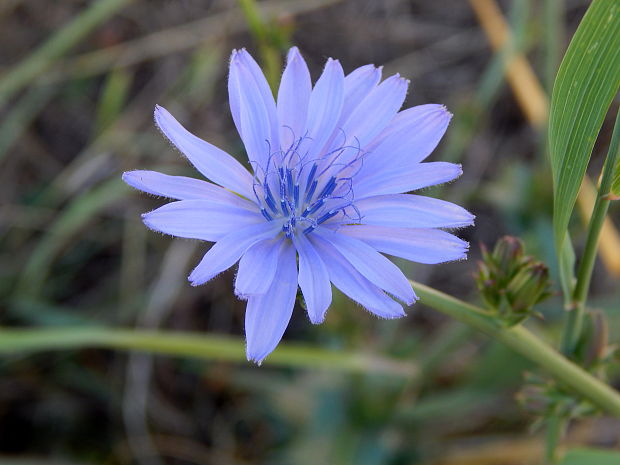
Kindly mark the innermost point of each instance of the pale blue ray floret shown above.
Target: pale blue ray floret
(326, 197)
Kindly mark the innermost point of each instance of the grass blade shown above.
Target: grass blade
(586, 84)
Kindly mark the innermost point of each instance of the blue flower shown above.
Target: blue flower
(325, 197)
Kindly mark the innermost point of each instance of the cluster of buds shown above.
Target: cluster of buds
(542, 397)
(510, 282)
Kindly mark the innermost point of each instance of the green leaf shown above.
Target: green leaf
(591, 457)
(614, 193)
(586, 84)
(566, 269)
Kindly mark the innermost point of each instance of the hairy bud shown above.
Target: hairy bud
(510, 282)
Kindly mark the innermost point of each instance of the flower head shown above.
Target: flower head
(324, 196)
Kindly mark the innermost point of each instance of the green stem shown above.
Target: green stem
(517, 338)
(194, 345)
(574, 324)
(556, 425)
(527, 344)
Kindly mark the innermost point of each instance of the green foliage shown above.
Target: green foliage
(614, 149)
(615, 186)
(586, 84)
(591, 457)
(66, 37)
(113, 97)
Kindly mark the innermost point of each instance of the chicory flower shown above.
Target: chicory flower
(325, 196)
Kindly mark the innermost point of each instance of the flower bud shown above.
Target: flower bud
(510, 282)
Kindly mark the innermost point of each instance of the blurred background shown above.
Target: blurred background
(78, 83)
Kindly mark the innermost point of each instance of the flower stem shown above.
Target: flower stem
(223, 348)
(204, 346)
(527, 344)
(574, 324)
(556, 426)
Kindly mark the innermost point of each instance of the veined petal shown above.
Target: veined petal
(268, 315)
(233, 95)
(428, 246)
(257, 268)
(253, 116)
(376, 111)
(177, 187)
(226, 251)
(265, 92)
(396, 179)
(346, 278)
(293, 99)
(213, 163)
(357, 85)
(325, 107)
(412, 211)
(313, 279)
(411, 137)
(207, 220)
(371, 264)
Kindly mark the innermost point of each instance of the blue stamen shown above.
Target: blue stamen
(311, 175)
(284, 207)
(265, 214)
(282, 188)
(289, 181)
(311, 191)
(269, 200)
(327, 216)
(329, 188)
(296, 195)
(313, 208)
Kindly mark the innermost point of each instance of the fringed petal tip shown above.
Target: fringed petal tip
(447, 112)
(255, 358)
(317, 319)
(132, 179)
(194, 281)
(293, 54)
(159, 112)
(146, 219)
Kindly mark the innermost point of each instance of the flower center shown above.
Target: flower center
(307, 192)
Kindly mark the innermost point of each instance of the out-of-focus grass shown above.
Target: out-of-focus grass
(73, 250)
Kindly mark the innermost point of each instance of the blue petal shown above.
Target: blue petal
(226, 251)
(265, 92)
(176, 187)
(313, 279)
(396, 179)
(257, 268)
(366, 121)
(371, 264)
(411, 136)
(428, 246)
(253, 116)
(325, 107)
(268, 315)
(207, 220)
(357, 85)
(293, 98)
(376, 111)
(213, 163)
(346, 278)
(233, 96)
(412, 211)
